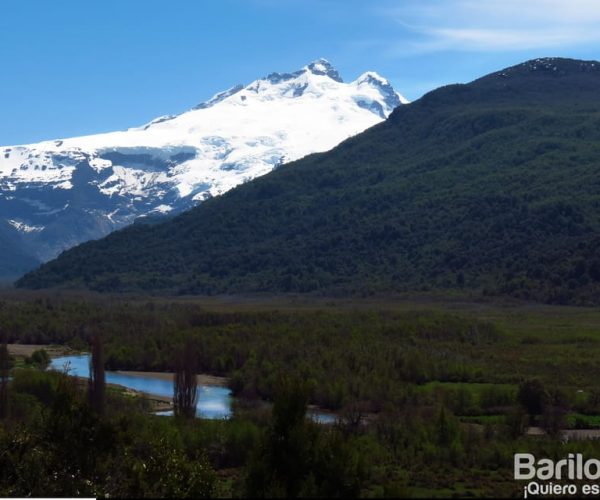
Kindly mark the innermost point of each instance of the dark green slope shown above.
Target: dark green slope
(493, 185)
(15, 259)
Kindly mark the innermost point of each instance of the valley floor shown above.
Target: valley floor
(433, 395)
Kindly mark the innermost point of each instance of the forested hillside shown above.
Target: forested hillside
(492, 186)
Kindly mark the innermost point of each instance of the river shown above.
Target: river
(213, 402)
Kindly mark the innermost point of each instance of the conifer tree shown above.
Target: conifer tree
(185, 388)
(97, 381)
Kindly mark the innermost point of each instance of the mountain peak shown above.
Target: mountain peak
(320, 67)
(323, 67)
(391, 98)
(372, 77)
(542, 78)
(548, 66)
(559, 64)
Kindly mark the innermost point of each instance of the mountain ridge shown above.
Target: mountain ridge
(472, 187)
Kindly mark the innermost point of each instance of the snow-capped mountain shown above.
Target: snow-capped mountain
(56, 194)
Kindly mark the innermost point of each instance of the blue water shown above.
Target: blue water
(321, 417)
(213, 402)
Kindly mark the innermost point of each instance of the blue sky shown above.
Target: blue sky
(75, 67)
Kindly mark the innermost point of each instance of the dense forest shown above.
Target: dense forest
(490, 186)
(429, 398)
(375, 356)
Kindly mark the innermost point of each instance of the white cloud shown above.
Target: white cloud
(496, 25)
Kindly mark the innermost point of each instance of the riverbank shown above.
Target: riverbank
(159, 403)
(26, 350)
(57, 351)
(201, 378)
